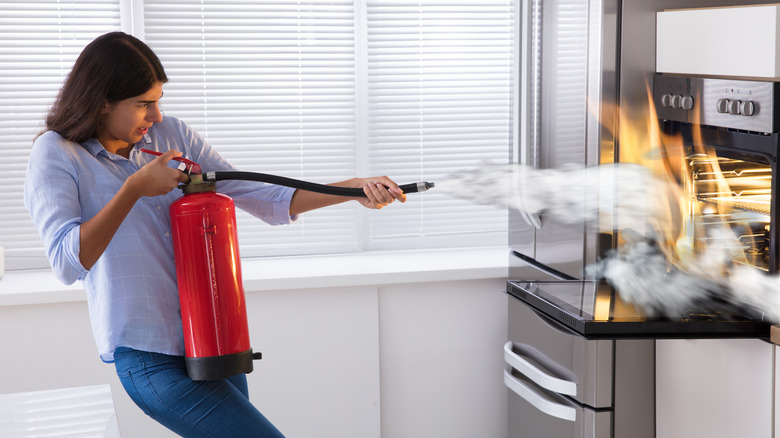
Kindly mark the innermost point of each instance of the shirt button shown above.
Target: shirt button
(157, 207)
(167, 234)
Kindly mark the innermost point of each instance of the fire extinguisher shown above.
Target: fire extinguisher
(211, 293)
(208, 269)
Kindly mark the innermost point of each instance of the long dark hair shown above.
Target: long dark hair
(113, 67)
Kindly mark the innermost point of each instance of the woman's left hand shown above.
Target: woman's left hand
(380, 191)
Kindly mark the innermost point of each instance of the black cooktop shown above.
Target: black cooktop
(594, 310)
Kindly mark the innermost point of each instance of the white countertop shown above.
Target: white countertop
(301, 272)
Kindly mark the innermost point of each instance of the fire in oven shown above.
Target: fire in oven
(724, 133)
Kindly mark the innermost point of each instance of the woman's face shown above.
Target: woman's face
(127, 121)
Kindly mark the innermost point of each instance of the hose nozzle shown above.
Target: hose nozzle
(421, 186)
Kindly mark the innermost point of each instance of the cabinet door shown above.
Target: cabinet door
(714, 388)
(319, 376)
(777, 392)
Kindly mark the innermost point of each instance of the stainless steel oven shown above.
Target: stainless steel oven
(727, 130)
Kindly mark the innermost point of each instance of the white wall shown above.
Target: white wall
(401, 360)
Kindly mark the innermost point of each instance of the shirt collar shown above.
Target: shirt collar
(94, 147)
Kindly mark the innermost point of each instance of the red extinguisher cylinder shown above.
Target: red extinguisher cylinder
(211, 292)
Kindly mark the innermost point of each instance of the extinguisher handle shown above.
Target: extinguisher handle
(189, 165)
(305, 185)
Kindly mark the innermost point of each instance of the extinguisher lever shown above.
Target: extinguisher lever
(189, 167)
(257, 356)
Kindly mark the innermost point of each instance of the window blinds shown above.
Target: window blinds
(439, 100)
(271, 85)
(325, 90)
(320, 90)
(39, 41)
(84, 412)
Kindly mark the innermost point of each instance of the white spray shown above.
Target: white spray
(629, 198)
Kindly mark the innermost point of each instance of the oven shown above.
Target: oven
(726, 131)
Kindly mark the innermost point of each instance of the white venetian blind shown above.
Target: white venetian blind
(325, 90)
(84, 412)
(440, 78)
(271, 85)
(321, 90)
(39, 41)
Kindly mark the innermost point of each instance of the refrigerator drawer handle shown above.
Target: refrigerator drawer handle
(539, 402)
(536, 375)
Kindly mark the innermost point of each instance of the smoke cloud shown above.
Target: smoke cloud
(650, 269)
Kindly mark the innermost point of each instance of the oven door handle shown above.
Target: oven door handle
(526, 368)
(538, 401)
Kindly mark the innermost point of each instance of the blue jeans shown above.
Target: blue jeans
(159, 385)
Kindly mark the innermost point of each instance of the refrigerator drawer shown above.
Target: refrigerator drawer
(558, 359)
(535, 412)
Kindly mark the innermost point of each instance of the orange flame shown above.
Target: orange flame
(701, 198)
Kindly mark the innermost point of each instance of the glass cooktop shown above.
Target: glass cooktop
(594, 309)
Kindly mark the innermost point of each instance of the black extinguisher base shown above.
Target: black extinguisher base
(220, 367)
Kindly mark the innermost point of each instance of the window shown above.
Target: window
(439, 100)
(39, 42)
(318, 90)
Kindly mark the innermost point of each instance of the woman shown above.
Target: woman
(101, 208)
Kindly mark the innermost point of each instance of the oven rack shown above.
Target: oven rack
(752, 203)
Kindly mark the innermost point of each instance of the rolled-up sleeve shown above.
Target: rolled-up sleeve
(268, 202)
(51, 197)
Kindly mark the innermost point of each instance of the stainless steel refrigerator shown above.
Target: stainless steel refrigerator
(568, 93)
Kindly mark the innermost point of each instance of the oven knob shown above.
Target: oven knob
(734, 107)
(687, 102)
(676, 101)
(666, 100)
(723, 106)
(747, 108)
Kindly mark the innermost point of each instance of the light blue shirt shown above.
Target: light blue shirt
(131, 290)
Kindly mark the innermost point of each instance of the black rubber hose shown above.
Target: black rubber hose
(305, 185)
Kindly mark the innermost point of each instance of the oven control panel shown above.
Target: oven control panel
(729, 103)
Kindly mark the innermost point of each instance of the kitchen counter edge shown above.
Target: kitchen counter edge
(374, 268)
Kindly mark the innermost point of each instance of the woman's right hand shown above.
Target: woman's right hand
(156, 178)
(153, 179)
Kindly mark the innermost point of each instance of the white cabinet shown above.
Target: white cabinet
(777, 392)
(715, 388)
(319, 376)
(420, 356)
(402, 360)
